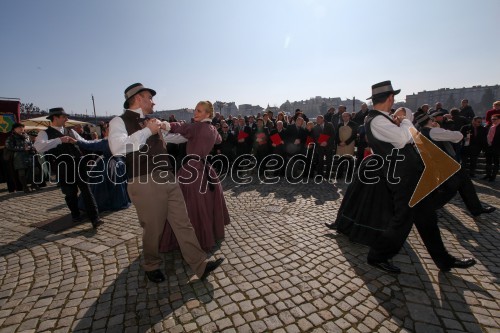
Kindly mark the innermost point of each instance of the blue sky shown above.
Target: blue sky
(58, 53)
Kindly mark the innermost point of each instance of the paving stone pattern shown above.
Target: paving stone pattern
(284, 271)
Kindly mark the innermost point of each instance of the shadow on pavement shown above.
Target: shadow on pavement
(320, 192)
(410, 297)
(5, 195)
(38, 237)
(452, 288)
(133, 304)
(482, 248)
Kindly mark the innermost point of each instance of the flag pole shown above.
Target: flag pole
(93, 103)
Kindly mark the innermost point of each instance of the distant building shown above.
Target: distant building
(320, 105)
(179, 114)
(274, 109)
(249, 110)
(226, 108)
(480, 98)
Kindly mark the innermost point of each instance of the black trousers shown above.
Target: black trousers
(462, 183)
(70, 192)
(23, 175)
(360, 153)
(425, 218)
(324, 160)
(492, 162)
(391, 240)
(426, 222)
(470, 157)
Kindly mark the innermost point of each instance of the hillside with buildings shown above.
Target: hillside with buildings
(311, 107)
(481, 98)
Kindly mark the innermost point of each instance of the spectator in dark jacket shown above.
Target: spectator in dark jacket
(458, 120)
(243, 134)
(22, 151)
(337, 118)
(227, 145)
(424, 109)
(474, 142)
(361, 145)
(278, 137)
(296, 137)
(466, 110)
(299, 113)
(329, 114)
(439, 107)
(324, 136)
(359, 118)
(252, 124)
(493, 149)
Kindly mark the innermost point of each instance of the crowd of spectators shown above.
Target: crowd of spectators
(274, 140)
(337, 136)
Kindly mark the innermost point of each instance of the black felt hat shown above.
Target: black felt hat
(134, 89)
(56, 112)
(383, 88)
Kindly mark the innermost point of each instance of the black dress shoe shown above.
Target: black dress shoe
(155, 276)
(96, 222)
(487, 210)
(332, 226)
(211, 266)
(459, 263)
(484, 210)
(485, 177)
(385, 266)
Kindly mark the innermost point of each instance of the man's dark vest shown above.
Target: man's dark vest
(412, 164)
(443, 145)
(153, 155)
(67, 155)
(64, 148)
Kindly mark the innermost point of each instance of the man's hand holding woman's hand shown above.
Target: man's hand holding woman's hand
(67, 139)
(154, 125)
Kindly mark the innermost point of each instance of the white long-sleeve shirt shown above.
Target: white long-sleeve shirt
(440, 134)
(43, 144)
(385, 130)
(121, 143)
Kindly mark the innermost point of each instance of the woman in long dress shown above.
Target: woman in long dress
(203, 195)
(365, 209)
(109, 177)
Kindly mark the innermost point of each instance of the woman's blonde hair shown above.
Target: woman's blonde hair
(208, 107)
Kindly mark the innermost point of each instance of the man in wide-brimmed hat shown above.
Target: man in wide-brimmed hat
(152, 186)
(460, 181)
(386, 133)
(58, 143)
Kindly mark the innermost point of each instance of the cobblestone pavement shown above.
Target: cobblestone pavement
(284, 272)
